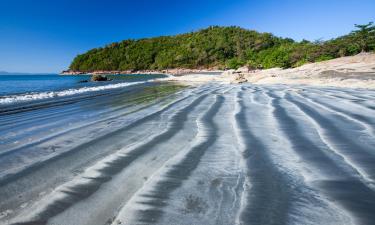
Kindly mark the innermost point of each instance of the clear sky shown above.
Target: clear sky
(45, 35)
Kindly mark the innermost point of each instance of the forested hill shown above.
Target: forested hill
(221, 47)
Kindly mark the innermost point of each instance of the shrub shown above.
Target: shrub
(324, 58)
(300, 63)
(221, 46)
(234, 63)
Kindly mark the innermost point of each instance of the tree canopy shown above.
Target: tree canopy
(221, 47)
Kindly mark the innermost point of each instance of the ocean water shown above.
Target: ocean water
(22, 88)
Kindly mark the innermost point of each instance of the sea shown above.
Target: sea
(15, 89)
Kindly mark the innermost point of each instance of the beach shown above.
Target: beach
(347, 72)
(204, 153)
(187, 113)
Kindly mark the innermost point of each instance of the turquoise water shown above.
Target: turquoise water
(21, 84)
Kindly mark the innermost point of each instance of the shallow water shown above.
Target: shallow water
(23, 88)
(154, 153)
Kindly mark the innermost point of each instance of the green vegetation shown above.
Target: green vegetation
(222, 47)
(365, 36)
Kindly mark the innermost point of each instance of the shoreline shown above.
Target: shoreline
(173, 72)
(346, 72)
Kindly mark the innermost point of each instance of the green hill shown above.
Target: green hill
(221, 47)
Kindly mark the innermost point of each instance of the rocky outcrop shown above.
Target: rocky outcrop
(239, 78)
(243, 69)
(70, 72)
(97, 77)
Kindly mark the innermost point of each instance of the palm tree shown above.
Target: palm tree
(364, 34)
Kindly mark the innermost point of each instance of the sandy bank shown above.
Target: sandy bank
(353, 72)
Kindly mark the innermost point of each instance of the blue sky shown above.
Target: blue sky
(45, 35)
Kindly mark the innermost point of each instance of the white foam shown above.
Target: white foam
(52, 94)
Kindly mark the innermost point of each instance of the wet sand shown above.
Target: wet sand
(212, 153)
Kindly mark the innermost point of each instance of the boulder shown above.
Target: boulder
(243, 69)
(238, 79)
(98, 77)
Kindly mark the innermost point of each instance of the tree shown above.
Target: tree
(364, 35)
(234, 63)
(222, 47)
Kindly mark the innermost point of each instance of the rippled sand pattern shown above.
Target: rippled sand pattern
(213, 154)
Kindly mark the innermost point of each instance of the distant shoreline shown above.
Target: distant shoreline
(174, 72)
(351, 72)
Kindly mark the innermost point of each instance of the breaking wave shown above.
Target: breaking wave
(51, 94)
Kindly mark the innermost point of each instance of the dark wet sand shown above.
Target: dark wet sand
(210, 154)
